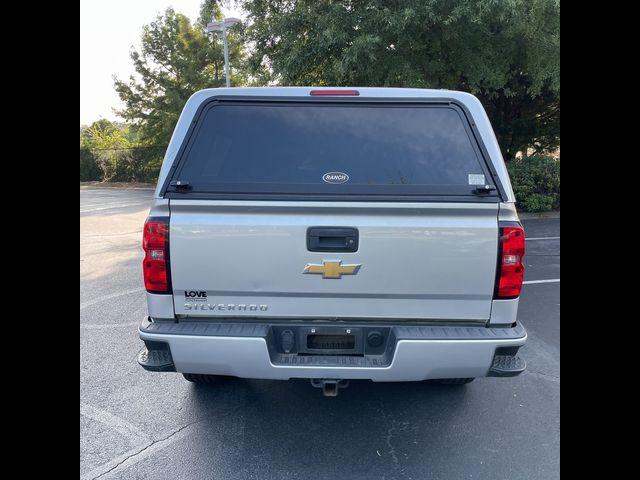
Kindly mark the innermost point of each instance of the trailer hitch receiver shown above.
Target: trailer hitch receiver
(329, 386)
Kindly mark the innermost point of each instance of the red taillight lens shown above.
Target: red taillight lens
(335, 93)
(155, 266)
(510, 266)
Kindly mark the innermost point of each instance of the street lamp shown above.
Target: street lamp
(221, 27)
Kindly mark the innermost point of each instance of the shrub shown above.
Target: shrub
(89, 170)
(141, 164)
(151, 169)
(113, 165)
(536, 183)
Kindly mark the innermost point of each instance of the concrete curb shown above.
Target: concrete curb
(538, 216)
(120, 185)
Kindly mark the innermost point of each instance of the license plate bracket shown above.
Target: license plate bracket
(330, 340)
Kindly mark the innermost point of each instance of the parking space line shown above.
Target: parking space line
(551, 280)
(115, 206)
(543, 376)
(101, 235)
(108, 297)
(103, 326)
(133, 434)
(111, 202)
(542, 238)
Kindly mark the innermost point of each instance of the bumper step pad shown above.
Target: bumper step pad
(156, 360)
(507, 366)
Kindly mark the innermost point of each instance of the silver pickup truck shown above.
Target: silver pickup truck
(333, 234)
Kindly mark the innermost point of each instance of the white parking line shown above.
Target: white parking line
(552, 280)
(542, 238)
(102, 326)
(112, 202)
(107, 297)
(86, 210)
(134, 435)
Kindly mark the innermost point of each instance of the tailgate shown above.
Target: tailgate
(416, 260)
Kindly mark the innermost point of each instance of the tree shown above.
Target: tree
(104, 151)
(504, 52)
(177, 59)
(104, 134)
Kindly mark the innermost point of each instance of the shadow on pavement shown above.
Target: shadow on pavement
(369, 430)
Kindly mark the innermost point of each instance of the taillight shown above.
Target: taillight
(335, 93)
(510, 267)
(155, 266)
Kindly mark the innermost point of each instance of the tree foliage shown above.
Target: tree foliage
(109, 151)
(506, 52)
(177, 58)
(104, 134)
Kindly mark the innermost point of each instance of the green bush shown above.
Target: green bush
(536, 183)
(113, 165)
(140, 164)
(89, 170)
(151, 169)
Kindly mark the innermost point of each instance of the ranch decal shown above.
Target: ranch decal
(335, 177)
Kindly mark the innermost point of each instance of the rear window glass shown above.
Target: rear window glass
(331, 148)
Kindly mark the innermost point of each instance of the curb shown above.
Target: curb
(117, 185)
(538, 216)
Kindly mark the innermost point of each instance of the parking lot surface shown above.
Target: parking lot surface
(138, 424)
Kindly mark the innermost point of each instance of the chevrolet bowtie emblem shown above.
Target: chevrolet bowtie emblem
(331, 269)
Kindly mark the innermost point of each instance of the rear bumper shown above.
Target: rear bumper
(418, 353)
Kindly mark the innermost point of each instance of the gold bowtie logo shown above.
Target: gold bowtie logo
(331, 269)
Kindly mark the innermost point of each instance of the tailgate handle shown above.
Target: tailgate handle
(332, 239)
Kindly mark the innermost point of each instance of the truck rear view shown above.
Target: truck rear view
(333, 234)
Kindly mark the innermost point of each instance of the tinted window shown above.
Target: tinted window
(291, 148)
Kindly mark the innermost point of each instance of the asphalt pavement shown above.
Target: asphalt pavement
(138, 424)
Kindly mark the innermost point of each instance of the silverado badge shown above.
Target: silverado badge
(331, 268)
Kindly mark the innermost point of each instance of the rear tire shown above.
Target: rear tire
(200, 378)
(453, 381)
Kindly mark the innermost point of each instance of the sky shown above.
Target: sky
(108, 30)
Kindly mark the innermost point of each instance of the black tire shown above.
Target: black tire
(454, 381)
(200, 378)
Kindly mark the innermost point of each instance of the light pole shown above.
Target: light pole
(221, 27)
